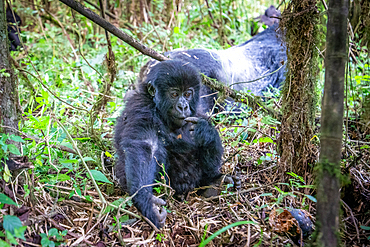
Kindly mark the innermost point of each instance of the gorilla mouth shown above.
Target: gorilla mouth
(179, 121)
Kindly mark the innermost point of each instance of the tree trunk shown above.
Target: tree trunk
(8, 88)
(299, 26)
(328, 196)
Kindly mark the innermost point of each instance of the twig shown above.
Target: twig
(354, 220)
(65, 33)
(108, 13)
(273, 72)
(47, 89)
(103, 99)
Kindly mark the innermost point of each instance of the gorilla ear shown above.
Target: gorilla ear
(151, 89)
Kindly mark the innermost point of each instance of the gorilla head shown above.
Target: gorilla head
(175, 91)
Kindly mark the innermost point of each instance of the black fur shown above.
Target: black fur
(270, 18)
(259, 56)
(147, 135)
(15, 43)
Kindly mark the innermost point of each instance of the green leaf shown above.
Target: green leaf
(16, 138)
(67, 144)
(53, 232)
(176, 30)
(311, 198)
(11, 238)
(266, 194)
(6, 200)
(63, 177)
(88, 159)
(19, 232)
(11, 222)
(366, 228)
(3, 243)
(99, 176)
(13, 149)
(365, 146)
(264, 140)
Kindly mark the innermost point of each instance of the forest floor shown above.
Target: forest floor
(193, 220)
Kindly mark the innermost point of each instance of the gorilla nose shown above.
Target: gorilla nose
(181, 107)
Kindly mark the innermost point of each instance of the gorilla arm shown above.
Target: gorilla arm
(141, 157)
(209, 147)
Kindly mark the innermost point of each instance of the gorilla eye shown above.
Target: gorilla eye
(188, 94)
(174, 94)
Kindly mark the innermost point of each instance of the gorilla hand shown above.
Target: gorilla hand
(234, 180)
(223, 180)
(159, 211)
(193, 121)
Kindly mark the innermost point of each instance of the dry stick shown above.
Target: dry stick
(152, 23)
(113, 30)
(108, 13)
(103, 99)
(65, 33)
(24, 75)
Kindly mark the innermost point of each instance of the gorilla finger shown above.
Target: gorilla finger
(158, 201)
(228, 180)
(237, 182)
(193, 120)
(161, 215)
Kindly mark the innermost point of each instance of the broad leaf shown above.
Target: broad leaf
(11, 222)
(99, 176)
(13, 149)
(6, 200)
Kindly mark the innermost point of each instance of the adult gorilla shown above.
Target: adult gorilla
(161, 125)
(12, 29)
(260, 60)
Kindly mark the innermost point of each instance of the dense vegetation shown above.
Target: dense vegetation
(67, 134)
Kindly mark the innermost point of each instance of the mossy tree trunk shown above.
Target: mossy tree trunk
(299, 26)
(327, 224)
(8, 88)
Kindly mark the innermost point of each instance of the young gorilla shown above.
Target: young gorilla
(161, 125)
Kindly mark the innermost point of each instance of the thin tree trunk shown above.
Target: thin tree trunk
(8, 88)
(327, 224)
(299, 26)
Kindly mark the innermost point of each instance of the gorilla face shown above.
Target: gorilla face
(180, 101)
(174, 89)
